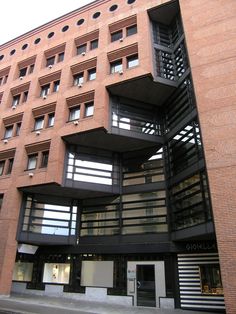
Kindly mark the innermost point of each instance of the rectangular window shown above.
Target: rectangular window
(50, 61)
(45, 90)
(31, 68)
(74, 113)
(79, 78)
(116, 66)
(81, 49)
(8, 131)
(10, 165)
(1, 200)
(132, 61)
(44, 160)
(89, 109)
(116, 35)
(61, 57)
(2, 165)
(92, 74)
(23, 271)
(56, 85)
(38, 125)
(56, 273)
(15, 100)
(94, 44)
(51, 118)
(25, 96)
(22, 72)
(32, 161)
(102, 274)
(18, 126)
(211, 279)
(131, 30)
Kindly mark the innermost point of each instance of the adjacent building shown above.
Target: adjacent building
(117, 155)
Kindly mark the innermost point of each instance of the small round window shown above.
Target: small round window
(96, 15)
(130, 1)
(50, 35)
(113, 8)
(1, 57)
(80, 22)
(24, 46)
(65, 28)
(37, 41)
(12, 52)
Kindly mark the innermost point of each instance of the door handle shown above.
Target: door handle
(138, 284)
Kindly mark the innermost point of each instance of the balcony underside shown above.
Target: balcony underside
(100, 139)
(144, 89)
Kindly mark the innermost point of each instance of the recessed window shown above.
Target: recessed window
(31, 68)
(10, 165)
(2, 165)
(74, 113)
(24, 46)
(1, 200)
(116, 35)
(80, 22)
(56, 86)
(38, 124)
(16, 100)
(132, 61)
(65, 28)
(8, 131)
(81, 49)
(131, 30)
(96, 15)
(51, 119)
(37, 41)
(94, 44)
(45, 90)
(89, 109)
(79, 78)
(92, 74)
(50, 61)
(211, 279)
(32, 161)
(18, 126)
(60, 57)
(22, 72)
(130, 1)
(1, 57)
(12, 52)
(113, 8)
(44, 160)
(116, 66)
(50, 35)
(25, 96)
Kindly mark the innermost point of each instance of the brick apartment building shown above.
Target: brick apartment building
(117, 155)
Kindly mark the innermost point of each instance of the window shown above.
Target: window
(94, 44)
(10, 165)
(92, 74)
(23, 271)
(89, 109)
(211, 279)
(8, 131)
(32, 161)
(1, 200)
(81, 49)
(25, 96)
(45, 90)
(18, 126)
(50, 61)
(56, 85)
(78, 78)
(31, 68)
(132, 61)
(131, 30)
(23, 72)
(26, 70)
(116, 35)
(2, 165)
(116, 66)
(38, 125)
(15, 100)
(44, 160)
(56, 273)
(74, 113)
(51, 118)
(61, 57)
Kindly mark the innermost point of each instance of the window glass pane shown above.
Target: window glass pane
(1, 200)
(131, 30)
(61, 57)
(211, 279)
(45, 90)
(8, 131)
(116, 36)
(51, 118)
(116, 66)
(31, 68)
(94, 44)
(39, 123)
(89, 109)
(16, 100)
(22, 271)
(18, 126)
(81, 49)
(32, 161)
(92, 74)
(132, 61)
(74, 113)
(97, 274)
(2, 164)
(56, 85)
(10, 165)
(50, 61)
(25, 96)
(79, 78)
(22, 72)
(56, 273)
(44, 161)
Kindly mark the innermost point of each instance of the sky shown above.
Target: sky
(20, 16)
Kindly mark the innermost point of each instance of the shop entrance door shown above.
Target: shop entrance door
(146, 292)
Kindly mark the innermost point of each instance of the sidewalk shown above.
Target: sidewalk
(17, 303)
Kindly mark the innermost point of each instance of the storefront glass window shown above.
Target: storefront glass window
(211, 279)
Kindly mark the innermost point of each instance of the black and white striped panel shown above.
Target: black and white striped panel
(190, 285)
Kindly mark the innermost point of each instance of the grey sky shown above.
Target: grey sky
(21, 16)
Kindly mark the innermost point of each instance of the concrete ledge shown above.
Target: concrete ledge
(167, 303)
